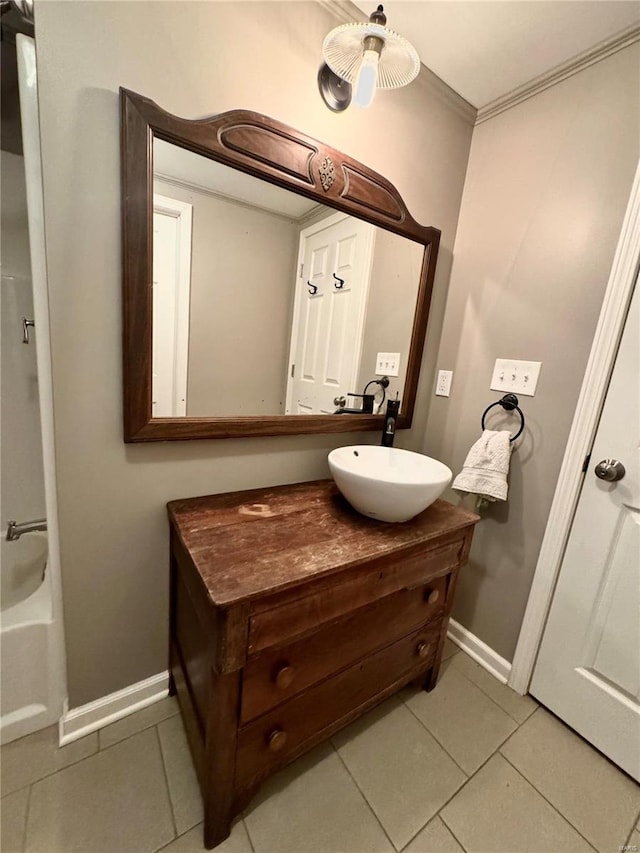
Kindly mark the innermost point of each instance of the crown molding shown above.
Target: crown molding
(193, 186)
(606, 48)
(346, 12)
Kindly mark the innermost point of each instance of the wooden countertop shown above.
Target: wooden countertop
(251, 543)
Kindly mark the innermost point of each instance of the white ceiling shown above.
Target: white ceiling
(486, 48)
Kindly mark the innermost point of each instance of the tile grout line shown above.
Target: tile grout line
(437, 814)
(23, 844)
(464, 784)
(136, 732)
(497, 704)
(26, 788)
(452, 832)
(537, 704)
(97, 750)
(201, 826)
(171, 841)
(547, 800)
(455, 794)
(636, 825)
(166, 782)
(583, 739)
(246, 829)
(498, 747)
(431, 819)
(133, 734)
(428, 730)
(362, 794)
(57, 770)
(513, 734)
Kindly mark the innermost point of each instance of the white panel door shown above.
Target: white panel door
(588, 667)
(171, 298)
(330, 304)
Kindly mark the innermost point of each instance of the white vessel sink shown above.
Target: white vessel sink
(387, 483)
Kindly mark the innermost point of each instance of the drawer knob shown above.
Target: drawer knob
(284, 676)
(432, 595)
(423, 649)
(277, 740)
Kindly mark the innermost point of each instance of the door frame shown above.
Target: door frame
(182, 212)
(613, 314)
(305, 233)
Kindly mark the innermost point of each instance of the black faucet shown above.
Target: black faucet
(367, 405)
(389, 428)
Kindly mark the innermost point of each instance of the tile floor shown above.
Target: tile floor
(471, 766)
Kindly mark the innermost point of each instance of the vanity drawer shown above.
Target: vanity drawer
(277, 674)
(275, 738)
(282, 619)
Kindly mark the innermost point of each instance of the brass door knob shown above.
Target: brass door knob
(284, 676)
(432, 595)
(277, 740)
(423, 649)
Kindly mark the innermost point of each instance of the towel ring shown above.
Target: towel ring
(509, 402)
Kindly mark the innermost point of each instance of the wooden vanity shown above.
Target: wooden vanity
(292, 615)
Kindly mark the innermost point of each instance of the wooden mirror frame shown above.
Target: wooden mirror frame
(274, 152)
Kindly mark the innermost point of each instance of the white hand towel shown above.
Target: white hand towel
(485, 469)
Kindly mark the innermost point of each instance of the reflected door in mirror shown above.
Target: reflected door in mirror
(330, 305)
(171, 300)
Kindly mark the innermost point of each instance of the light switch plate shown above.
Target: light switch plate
(521, 377)
(388, 364)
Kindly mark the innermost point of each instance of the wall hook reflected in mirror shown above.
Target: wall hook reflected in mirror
(338, 283)
(26, 325)
(313, 288)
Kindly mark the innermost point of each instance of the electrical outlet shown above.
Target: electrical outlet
(388, 364)
(518, 376)
(443, 385)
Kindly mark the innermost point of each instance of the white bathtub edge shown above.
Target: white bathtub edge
(88, 718)
(35, 609)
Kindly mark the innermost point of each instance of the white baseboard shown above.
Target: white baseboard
(479, 651)
(89, 718)
(95, 715)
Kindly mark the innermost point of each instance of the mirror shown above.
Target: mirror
(266, 278)
(317, 293)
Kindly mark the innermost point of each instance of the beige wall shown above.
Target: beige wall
(243, 263)
(544, 199)
(14, 243)
(194, 59)
(393, 291)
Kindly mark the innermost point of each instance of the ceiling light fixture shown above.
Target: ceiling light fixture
(367, 57)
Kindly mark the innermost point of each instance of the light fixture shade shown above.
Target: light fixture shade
(342, 50)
